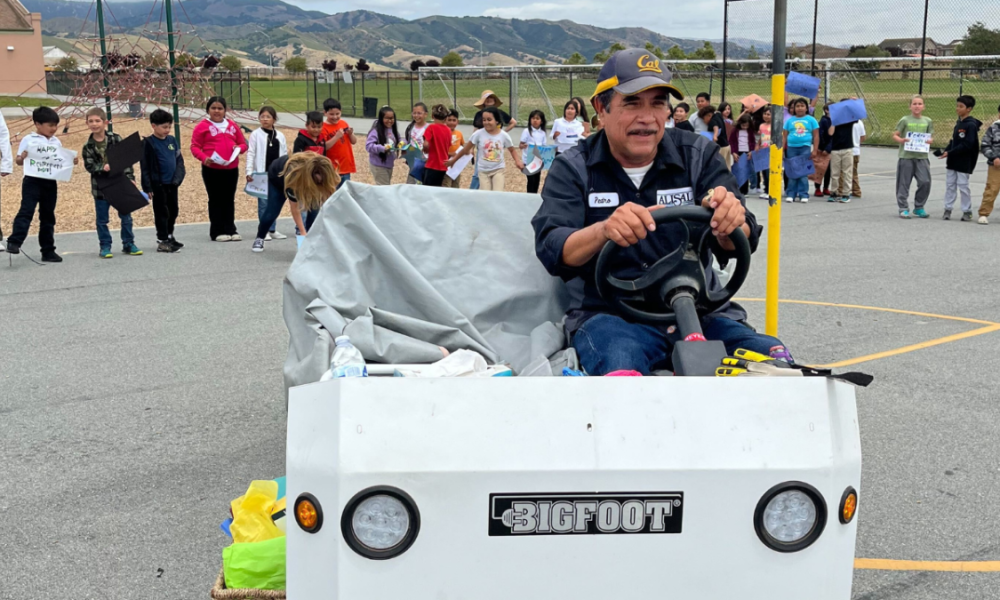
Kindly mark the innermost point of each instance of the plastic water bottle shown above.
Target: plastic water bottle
(347, 361)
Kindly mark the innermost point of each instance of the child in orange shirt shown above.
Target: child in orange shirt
(457, 141)
(338, 139)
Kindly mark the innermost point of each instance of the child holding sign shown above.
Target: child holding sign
(914, 136)
(39, 188)
(217, 143)
(95, 161)
(265, 146)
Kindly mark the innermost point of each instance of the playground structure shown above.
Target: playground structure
(168, 66)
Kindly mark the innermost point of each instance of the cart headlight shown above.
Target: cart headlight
(790, 516)
(380, 522)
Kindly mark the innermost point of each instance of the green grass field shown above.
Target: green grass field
(29, 103)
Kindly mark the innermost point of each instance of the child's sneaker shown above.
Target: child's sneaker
(258, 245)
(967, 216)
(844, 199)
(277, 235)
(904, 214)
(105, 252)
(982, 221)
(947, 215)
(13, 248)
(804, 199)
(51, 256)
(831, 198)
(819, 193)
(782, 354)
(166, 247)
(764, 196)
(921, 213)
(131, 249)
(223, 238)
(173, 241)
(236, 238)
(789, 199)
(267, 238)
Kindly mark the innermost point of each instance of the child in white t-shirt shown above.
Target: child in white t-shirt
(533, 135)
(859, 137)
(490, 143)
(567, 131)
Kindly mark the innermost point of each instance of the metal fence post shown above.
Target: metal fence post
(571, 84)
(923, 46)
(725, 45)
(961, 81)
(815, 19)
(454, 90)
(388, 81)
(510, 83)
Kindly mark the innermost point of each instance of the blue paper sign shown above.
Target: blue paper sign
(797, 167)
(847, 111)
(762, 159)
(802, 85)
(546, 153)
(742, 169)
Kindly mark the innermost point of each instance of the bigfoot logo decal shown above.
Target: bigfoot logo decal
(601, 513)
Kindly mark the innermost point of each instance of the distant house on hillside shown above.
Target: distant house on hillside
(22, 66)
(949, 48)
(908, 46)
(52, 54)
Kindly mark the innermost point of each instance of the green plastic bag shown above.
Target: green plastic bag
(256, 565)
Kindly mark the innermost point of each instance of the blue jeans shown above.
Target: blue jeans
(607, 343)
(262, 212)
(103, 234)
(797, 188)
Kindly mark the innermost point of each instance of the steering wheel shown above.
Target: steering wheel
(680, 273)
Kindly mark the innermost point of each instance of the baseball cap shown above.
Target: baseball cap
(634, 70)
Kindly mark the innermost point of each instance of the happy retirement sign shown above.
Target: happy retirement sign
(48, 161)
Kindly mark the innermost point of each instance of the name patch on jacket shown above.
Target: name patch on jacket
(605, 200)
(676, 197)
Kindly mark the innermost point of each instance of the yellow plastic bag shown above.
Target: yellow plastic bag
(252, 514)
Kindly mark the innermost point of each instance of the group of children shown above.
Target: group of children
(162, 172)
(961, 155)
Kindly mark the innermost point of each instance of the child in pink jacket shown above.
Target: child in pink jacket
(217, 143)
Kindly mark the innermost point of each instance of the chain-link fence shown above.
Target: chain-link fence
(820, 30)
(362, 94)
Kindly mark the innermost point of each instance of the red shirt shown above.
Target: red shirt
(341, 153)
(437, 140)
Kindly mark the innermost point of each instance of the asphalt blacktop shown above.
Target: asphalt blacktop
(139, 395)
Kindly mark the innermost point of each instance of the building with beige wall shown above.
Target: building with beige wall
(22, 62)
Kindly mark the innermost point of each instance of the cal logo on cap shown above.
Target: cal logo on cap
(645, 63)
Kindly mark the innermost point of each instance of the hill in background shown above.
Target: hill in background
(235, 26)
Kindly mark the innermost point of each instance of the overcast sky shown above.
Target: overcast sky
(842, 22)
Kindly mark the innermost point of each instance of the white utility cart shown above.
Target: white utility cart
(574, 488)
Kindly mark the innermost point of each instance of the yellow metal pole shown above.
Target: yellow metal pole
(774, 210)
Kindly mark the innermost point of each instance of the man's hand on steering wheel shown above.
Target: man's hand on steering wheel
(729, 214)
(630, 223)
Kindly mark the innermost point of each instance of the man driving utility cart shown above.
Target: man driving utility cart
(628, 186)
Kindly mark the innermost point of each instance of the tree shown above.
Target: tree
(416, 64)
(871, 51)
(185, 61)
(210, 62)
(575, 59)
(363, 65)
(348, 67)
(979, 40)
(231, 63)
(433, 63)
(676, 53)
(296, 65)
(602, 57)
(68, 64)
(452, 59)
(155, 60)
(329, 65)
(655, 50)
(706, 52)
(752, 53)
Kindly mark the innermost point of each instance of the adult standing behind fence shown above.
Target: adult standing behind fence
(213, 142)
(487, 100)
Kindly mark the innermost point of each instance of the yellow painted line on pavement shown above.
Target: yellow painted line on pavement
(989, 327)
(956, 566)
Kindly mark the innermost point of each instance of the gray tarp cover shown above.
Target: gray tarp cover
(405, 269)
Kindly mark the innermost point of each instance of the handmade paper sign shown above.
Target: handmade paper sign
(49, 162)
(257, 187)
(801, 84)
(847, 111)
